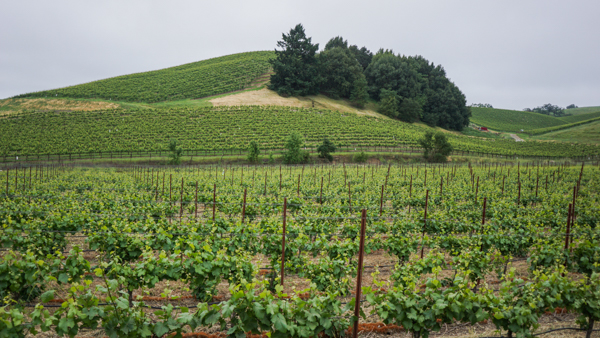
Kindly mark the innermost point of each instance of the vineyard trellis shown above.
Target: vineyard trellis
(139, 226)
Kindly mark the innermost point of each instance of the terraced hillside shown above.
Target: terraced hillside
(192, 80)
(217, 128)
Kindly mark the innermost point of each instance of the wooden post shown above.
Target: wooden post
(244, 207)
(519, 196)
(298, 190)
(283, 240)
(357, 293)
(441, 186)
(424, 222)
(265, 183)
(7, 170)
(410, 189)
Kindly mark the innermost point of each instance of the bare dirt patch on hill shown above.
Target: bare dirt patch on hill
(266, 97)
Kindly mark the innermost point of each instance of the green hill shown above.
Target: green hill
(512, 120)
(582, 116)
(189, 81)
(582, 110)
(585, 133)
(217, 128)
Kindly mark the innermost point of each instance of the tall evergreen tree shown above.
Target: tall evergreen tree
(295, 66)
(359, 95)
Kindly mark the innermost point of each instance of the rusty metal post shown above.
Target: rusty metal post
(424, 222)
(283, 240)
(181, 202)
(357, 293)
(196, 202)
(569, 218)
(214, 200)
(321, 194)
(381, 202)
(349, 199)
(483, 214)
(244, 207)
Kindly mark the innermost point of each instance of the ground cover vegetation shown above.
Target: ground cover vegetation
(31, 133)
(155, 251)
(408, 88)
(189, 81)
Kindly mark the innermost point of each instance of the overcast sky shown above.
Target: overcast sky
(511, 54)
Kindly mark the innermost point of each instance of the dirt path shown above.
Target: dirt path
(517, 138)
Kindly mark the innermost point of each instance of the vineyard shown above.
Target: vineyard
(512, 120)
(193, 80)
(268, 251)
(35, 134)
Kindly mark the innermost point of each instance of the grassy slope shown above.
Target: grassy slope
(189, 81)
(587, 133)
(582, 110)
(581, 117)
(511, 120)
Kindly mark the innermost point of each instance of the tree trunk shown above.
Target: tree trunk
(590, 328)
(509, 335)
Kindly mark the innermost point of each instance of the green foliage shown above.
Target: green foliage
(436, 147)
(359, 95)
(295, 66)
(189, 81)
(442, 103)
(548, 109)
(339, 71)
(361, 157)
(389, 103)
(326, 148)
(409, 110)
(253, 151)
(175, 152)
(294, 153)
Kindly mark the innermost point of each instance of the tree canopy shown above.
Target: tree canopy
(295, 66)
(409, 88)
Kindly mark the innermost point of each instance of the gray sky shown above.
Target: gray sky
(511, 54)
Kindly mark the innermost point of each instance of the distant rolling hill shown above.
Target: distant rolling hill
(193, 80)
(512, 120)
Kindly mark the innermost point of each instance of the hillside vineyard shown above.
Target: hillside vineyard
(148, 250)
(190, 81)
(220, 128)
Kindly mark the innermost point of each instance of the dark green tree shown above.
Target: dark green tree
(339, 71)
(295, 66)
(294, 153)
(410, 110)
(326, 148)
(362, 55)
(389, 103)
(338, 41)
(359, 95)
(253, 152)
(436, 147)
(175, 152)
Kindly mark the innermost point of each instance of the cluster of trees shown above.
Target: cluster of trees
(549, 109)
(409, 88)
(482, 105)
